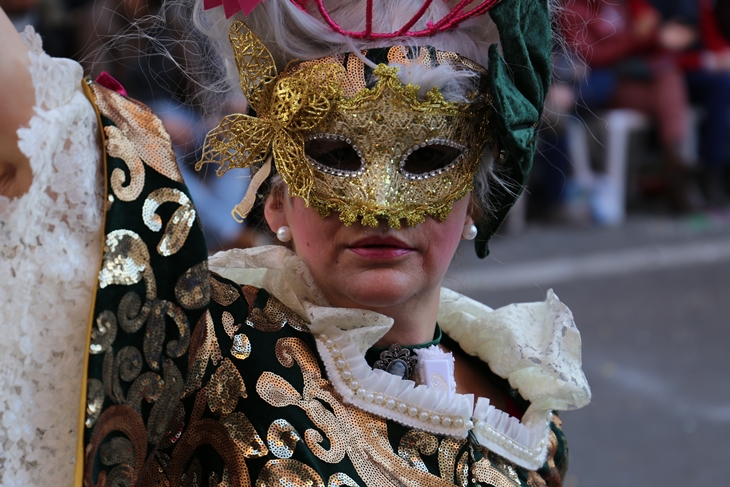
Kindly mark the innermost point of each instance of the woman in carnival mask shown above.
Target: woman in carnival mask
(384, 132)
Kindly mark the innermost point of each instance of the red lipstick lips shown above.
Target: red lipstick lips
(380, 248)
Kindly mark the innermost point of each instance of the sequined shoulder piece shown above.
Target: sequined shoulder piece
(152, 288)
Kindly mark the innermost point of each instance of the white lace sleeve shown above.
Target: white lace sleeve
(49, 242)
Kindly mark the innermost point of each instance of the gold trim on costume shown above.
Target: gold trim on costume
(80, 454)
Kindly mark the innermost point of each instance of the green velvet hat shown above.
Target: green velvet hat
(520, 76)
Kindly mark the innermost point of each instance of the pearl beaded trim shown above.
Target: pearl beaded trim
(491, 436)
(389, 402)
(490, 428)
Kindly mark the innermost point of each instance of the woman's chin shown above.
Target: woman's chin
(379, 290)
(375, 301)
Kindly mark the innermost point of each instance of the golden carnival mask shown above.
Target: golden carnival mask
(368, 151)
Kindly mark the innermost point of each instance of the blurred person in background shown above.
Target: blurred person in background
(706, 64)
(631, 53)
(551, 183)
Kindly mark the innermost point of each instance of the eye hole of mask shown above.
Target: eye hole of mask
(334, 153)
(430, 158)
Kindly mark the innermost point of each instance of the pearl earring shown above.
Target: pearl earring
(469, 232)
(283, 233)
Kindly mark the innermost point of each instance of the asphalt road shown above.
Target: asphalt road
(652, 302)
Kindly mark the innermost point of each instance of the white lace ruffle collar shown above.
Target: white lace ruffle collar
(535, 346)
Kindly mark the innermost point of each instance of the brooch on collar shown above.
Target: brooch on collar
(398, 361)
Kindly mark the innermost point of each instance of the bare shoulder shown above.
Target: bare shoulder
(17, 98)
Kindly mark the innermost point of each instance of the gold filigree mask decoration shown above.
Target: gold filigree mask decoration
(369, 153)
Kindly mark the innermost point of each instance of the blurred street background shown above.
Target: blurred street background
(626, 215)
